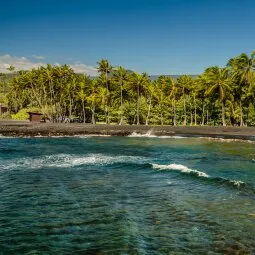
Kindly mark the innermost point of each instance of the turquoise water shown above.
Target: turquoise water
(126, 195)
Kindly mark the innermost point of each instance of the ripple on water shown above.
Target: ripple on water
(107, 196)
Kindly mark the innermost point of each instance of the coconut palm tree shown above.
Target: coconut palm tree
(184, 82)
(120, 76)
(81, 93)
(104, 68)
(172, 96)
(138, 82)
(218, 81)
(242, 69)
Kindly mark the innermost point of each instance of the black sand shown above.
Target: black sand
(22, 129)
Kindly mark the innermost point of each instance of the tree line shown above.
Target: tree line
(218, 96)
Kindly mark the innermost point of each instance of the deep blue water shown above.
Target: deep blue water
(126, 195)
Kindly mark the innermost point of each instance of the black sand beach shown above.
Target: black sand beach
(23, 129)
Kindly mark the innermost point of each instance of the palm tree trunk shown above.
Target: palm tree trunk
(191, 118)
(174, 108)
(161, 116)
(184, 109)
(137, 110)
(148, 113)
(70, 108)
(203, 114)
(107, 103)
(195, 110)
(223, 115)
(207, 117)
(93, 113)
(241, 115)
(84, 114)
(121, 103)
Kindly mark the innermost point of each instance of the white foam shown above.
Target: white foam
(226, 140)
(68, 160)
(180, 168)
(148, 134)
(92, 135)
(237, 183)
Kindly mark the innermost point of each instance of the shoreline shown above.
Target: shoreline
(25, 129)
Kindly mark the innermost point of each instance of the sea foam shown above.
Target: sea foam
(186, 170)
(180, 168)
(150, 135)
(68, 161)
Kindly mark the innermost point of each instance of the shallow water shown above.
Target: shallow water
(126, 195)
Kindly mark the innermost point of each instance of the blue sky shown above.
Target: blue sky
(158, 37)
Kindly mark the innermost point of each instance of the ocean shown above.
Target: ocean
(126, 195)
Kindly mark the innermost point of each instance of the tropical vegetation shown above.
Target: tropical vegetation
(219, 96)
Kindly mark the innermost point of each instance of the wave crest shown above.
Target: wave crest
(180, 168)
(186, 170)
(68, 160)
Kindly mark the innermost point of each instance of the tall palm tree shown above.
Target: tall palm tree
(184, 82)
(172, 95)
(138, 81)
(104, 68)
(93, 98)
(150, 94)
(70, 90)
(199, 88)
(218, 80)
(161, 88)
(242, 68)
(81, 94)
(120, 75)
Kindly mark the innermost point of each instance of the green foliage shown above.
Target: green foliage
(219, 96)
(5, 116)
(23, 113)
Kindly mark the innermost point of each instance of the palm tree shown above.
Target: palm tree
(172, 95)
(11, 68)
(93, 99)
(161, 88)
(218, 80)
(242, 68)
(120, 76)
(199, 88)
(104, 68)
(138, 81)
(150, 92)
(82, 95)
(184, 82)
(70, 90)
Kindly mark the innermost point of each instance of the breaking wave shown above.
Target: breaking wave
(67, 161)
(185, 170)
(180, 168)
(150, 135)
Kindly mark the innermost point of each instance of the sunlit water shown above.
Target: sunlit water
(126, 195)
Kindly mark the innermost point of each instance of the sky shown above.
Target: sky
(157, 36)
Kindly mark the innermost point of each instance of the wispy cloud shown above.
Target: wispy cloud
(20, 63)
(38, 57)
(23, 63)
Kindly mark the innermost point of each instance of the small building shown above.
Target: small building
(3, 109)
(34, 117)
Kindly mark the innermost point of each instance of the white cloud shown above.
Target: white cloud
(81, 68)
(38, 57)
(22, 63)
